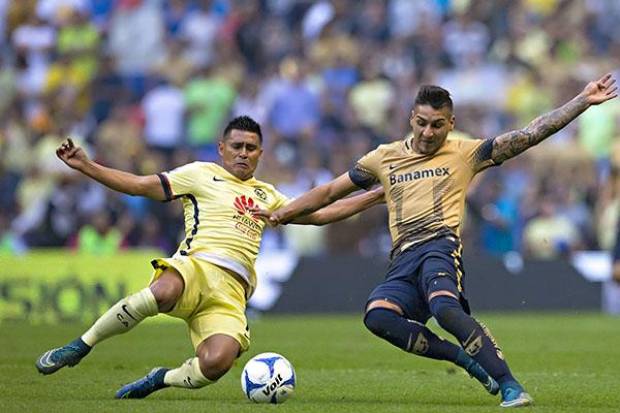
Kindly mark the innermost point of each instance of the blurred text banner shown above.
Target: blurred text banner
(50, 286)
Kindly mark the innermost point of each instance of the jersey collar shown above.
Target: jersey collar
(231, 177)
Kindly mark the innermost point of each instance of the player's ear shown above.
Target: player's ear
(452, 122)
(220, 147)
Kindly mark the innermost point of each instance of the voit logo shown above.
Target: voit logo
(244, 204)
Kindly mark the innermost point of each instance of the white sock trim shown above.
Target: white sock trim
(188, 375)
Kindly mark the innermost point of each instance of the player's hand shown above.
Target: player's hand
(263, 214)
(600, 90)
(72, 155)
(276, 218)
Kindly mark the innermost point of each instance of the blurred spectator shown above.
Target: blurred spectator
(164, 109)
(136, 40)
(99, 237)
(107, 89)
(79, 39)
(465, 39)
(208, 97)
(175, 13)
(199, 29)
(249, 102)
(59, 11)
(499, 213)
(119, 140)
(176, 66)
(328, 81)
(295, 109)
(372, 99)
(597, 130)
(549, 234)
(34, 40)
(66, 86)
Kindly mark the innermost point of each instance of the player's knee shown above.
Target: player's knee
(446, 310)
(378, 320)
(215, 364)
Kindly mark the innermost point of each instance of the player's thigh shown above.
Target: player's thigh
(186, 267)
(404, 294)
(167, 289)
(439, 276)
(442, 276)
(221, 311)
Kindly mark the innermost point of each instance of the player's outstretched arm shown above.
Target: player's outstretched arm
(314, 199)
(343, 208)
(75, 157)
(513, 143)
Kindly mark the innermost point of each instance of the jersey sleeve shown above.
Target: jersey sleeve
(280, 200)
(477, 153)
(180, 181)
(364, 172)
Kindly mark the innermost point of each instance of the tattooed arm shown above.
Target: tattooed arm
(512, 143)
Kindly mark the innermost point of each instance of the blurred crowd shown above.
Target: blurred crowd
(147, 85)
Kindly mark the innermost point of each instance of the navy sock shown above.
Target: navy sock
(475, 338)
(410, 335)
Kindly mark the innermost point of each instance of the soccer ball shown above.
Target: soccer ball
(268, 378)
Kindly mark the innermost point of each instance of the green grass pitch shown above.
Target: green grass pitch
(568, 362)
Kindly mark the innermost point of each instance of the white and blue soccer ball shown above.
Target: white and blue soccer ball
(268, 378)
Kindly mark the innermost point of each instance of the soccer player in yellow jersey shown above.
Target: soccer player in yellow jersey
(425, 178)
(209, 279)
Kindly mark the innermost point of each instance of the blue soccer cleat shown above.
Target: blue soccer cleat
(476, 371)
(141, 388)
(513, 395)
(69, 355)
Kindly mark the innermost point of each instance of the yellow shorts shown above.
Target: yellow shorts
(213, 301)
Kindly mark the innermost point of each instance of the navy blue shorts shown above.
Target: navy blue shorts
(419, 271)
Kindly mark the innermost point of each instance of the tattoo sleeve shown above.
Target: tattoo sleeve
(512, 143)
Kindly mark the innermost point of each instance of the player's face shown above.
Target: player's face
(240, 152)
(430, 127)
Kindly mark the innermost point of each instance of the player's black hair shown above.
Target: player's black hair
(435, 96)
(244, 123)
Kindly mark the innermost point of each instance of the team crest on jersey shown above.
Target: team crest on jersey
(260, 194)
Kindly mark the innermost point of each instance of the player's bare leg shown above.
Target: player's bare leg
(161, 296)
(214, 357)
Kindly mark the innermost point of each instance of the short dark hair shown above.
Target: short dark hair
(435, 96)
(244, 123)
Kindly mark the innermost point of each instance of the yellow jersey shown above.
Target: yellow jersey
(218, 225)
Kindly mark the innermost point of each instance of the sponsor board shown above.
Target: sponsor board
(52, 286)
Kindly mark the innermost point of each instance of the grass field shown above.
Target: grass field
(569, 363)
